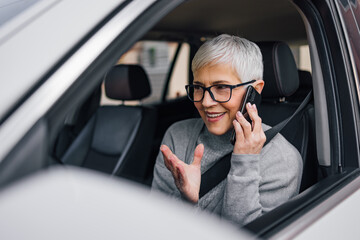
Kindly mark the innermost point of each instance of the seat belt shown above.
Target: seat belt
(219, 171)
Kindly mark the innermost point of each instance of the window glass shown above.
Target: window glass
(156, 57)
(302, 57)
(350, 12)
(180, 75)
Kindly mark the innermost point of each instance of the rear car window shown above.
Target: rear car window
(156, 58)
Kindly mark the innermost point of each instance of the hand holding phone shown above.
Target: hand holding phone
(251, 96)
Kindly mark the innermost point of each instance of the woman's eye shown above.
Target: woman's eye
(221, 87)
(197, 87)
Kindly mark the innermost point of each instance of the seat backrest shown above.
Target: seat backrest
(74, 122)
(305, 85)
(117, 139)
(281, 97)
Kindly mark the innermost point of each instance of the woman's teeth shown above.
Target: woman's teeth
(214, 115)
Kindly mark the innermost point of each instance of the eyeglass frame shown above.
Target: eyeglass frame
(211, 94)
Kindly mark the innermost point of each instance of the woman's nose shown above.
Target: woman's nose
(207, 100)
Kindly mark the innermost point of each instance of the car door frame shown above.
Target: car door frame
(338, 111)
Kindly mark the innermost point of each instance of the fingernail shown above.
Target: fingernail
(239, 113)
(249, 105)
(254, 106)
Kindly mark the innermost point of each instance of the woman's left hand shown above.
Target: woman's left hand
(250, 137)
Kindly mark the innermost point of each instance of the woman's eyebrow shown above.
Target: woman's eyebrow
(213, 83)
(198, 83)
(221, 82)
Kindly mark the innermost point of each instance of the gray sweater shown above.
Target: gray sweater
(255, 184)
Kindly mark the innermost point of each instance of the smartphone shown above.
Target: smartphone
(251, 96)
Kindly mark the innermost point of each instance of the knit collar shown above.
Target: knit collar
(215, 142)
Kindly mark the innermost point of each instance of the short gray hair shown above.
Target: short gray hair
(243, 55)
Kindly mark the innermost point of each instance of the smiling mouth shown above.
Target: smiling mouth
(214, 115)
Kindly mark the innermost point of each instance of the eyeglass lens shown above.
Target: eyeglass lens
(219, 93)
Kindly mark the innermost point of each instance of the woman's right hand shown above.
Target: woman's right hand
(187, 177)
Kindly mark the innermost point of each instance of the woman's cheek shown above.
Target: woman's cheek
(233, 108)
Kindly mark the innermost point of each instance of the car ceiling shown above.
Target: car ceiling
(257, 20)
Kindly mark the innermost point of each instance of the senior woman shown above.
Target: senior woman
(260, 177)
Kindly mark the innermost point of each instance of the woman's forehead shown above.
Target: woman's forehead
(218, 73)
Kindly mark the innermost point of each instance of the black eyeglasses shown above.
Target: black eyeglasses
(220, 92)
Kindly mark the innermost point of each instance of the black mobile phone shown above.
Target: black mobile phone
(251, 96)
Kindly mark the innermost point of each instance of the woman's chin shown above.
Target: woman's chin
(218, 131)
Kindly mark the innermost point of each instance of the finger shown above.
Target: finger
(169, 164)
(198, 154)
(245, 125)
(169, 157)
(254, 116)
(239, 131)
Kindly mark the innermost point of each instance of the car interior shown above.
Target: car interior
(123, 139)
(117, 123)
(105, 137)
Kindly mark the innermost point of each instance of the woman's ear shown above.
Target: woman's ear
(258, 85)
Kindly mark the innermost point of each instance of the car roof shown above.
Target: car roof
(259, 20)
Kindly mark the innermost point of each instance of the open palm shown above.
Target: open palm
(187, 177)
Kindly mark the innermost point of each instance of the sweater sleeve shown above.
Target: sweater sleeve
(258, 183)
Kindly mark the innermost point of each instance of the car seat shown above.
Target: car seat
(74, 122)
(281, 78)
(117, 139)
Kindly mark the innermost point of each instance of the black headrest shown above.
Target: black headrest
(127, 82)
(280, 71)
